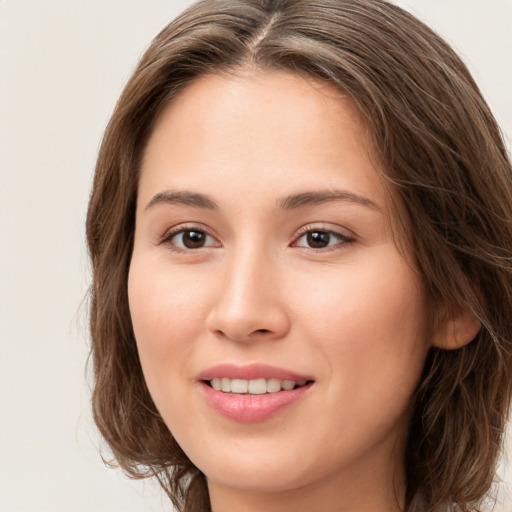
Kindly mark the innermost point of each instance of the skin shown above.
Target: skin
(353, 314)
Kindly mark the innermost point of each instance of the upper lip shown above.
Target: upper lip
(250, 372)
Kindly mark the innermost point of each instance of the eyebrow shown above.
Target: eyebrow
(183, 197)
(290, 202)
(311, 198)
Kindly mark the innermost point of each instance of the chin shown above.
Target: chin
(263, 480)
(254, 472)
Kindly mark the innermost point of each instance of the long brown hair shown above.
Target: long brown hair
(446, 164)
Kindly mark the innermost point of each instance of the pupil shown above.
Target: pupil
(193, 239)
(318, 239)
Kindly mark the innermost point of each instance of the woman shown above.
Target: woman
(300, 230)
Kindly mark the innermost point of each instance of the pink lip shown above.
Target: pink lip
(250, 408)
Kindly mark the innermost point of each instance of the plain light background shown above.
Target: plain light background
(62, 67)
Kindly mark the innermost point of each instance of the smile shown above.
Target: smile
(252, 393)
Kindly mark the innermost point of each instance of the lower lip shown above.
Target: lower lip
(251, 408)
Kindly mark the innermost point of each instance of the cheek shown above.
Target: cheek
(166, 316)
(365, 304)
(371, 325)
(388, 350)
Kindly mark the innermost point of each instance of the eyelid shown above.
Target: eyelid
(345, 238)
(180, 228)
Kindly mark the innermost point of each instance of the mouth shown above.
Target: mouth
(260, 386)
(252, 393)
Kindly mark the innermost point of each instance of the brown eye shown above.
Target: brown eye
(189, 239)
(193, 239)
(322, 239)
(318, 239)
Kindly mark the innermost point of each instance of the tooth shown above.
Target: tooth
(239, 386)
(288, 384)
(257, 386)
(254, 386)
(273, 385)
(226, 385)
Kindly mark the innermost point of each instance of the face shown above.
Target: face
(280, 331)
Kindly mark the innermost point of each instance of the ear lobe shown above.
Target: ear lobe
(456, 331)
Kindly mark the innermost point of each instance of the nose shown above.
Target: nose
(249, 304)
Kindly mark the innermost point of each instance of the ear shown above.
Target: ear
(457, 330)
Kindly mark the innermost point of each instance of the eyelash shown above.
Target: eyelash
(304, 231)
(170, 235)
(343, 240)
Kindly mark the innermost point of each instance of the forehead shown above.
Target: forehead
(261, 131)
(267, 99)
